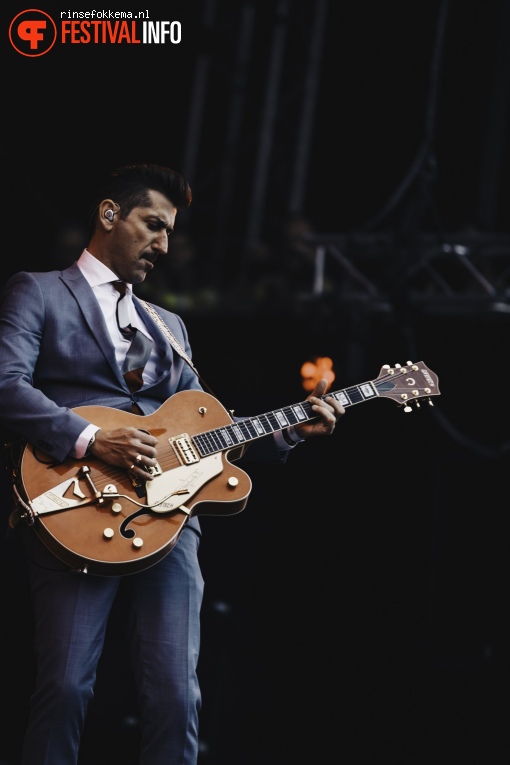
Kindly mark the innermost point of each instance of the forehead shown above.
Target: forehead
(159, 206)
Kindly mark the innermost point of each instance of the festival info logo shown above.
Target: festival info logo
(32, 33)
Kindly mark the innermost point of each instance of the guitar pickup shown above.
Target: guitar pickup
(184, 449)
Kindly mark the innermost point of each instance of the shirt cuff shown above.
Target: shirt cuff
(80, 448)
(287, 439)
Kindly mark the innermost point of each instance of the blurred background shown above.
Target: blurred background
(350, 170)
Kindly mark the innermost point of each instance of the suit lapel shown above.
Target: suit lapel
(92, 314)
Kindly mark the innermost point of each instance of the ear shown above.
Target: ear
(107, 211)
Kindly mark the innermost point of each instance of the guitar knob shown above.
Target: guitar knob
(232, 482)
(108, 533)
(137, 543)
(116, 507)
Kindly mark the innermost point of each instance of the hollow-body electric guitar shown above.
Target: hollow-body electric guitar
(96, 518)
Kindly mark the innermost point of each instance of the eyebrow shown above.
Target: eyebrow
(160, 222)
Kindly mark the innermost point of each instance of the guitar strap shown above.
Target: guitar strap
(172, 340)
(168, 334)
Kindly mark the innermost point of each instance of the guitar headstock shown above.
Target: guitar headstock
(405, 384)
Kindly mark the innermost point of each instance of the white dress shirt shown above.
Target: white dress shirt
(100, 278)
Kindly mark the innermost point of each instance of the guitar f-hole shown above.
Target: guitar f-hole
(129, 533)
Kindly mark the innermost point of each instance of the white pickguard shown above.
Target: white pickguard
(170, 490)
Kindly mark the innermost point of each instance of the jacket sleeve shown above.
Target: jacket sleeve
(24, 409)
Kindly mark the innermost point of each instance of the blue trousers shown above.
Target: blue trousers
(71, 613)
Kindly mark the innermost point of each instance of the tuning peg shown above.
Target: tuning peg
(408, 408)
(430, 402)
(397, 366)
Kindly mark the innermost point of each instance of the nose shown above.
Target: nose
(161, 243)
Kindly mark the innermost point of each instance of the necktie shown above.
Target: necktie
(140, 348)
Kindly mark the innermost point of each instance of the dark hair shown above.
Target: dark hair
(129, 187)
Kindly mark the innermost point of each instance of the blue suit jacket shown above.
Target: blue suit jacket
(56, 354)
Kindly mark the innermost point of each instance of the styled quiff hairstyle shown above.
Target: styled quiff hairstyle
(129, 186)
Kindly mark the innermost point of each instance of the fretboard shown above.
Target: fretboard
(248, 429)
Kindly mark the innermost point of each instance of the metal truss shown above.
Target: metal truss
(464, 273)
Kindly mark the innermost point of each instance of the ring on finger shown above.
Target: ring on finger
(132, 467)
(138, 458)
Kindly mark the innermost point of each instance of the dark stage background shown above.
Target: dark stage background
(350, 169)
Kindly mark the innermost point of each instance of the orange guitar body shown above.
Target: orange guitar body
(116, 535)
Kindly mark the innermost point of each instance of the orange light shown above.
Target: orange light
(312, 371)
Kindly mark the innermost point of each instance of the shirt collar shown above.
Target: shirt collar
(95, 272)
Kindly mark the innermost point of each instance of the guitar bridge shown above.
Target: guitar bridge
(184, 449)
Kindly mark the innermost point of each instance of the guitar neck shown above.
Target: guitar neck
(403, 384)
(248, 429)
